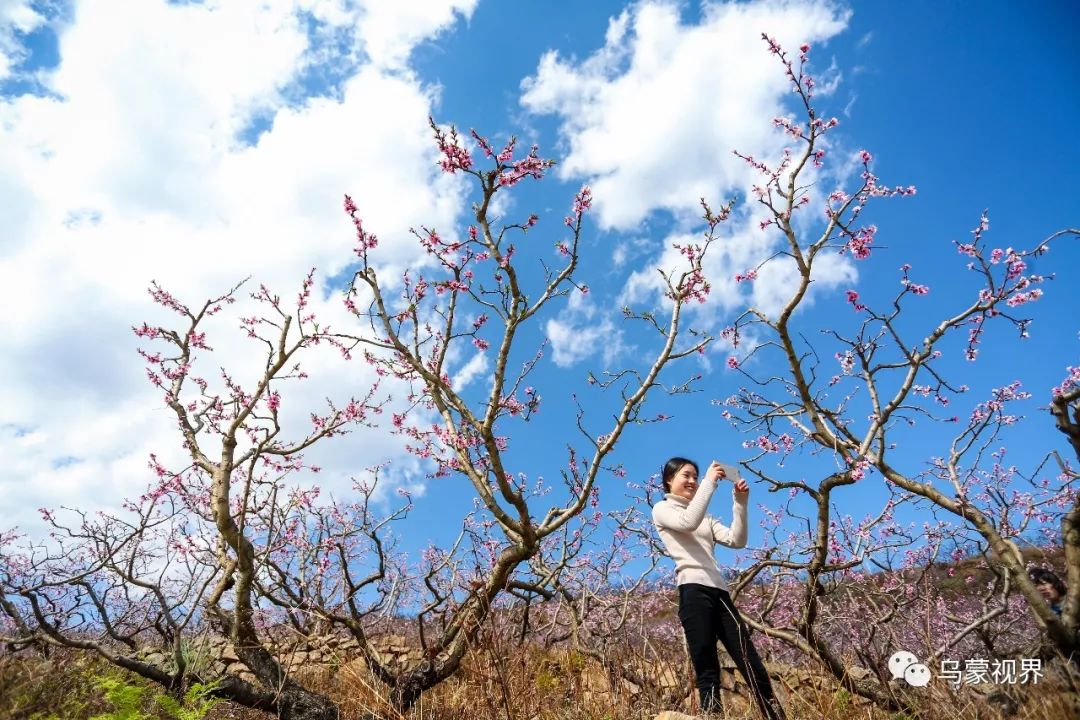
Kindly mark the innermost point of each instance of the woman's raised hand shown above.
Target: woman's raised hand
(715, 472)
(741, 486)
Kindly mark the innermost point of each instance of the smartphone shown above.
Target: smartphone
(731, 473)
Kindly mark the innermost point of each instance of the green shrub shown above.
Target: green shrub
(198, 701)
(126, 698)
(546, 681)
(130, 700)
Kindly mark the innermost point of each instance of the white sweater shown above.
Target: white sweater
(689, 534)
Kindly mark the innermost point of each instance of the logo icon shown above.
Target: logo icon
(917, 675)
(904, 665)
(899, 662)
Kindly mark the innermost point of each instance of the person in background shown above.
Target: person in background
(1049, 586)
(1053, 589)
(706, 610)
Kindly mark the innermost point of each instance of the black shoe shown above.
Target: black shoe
(710, 702)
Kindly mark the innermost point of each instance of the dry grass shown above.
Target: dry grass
(61, 686)
(501, 681)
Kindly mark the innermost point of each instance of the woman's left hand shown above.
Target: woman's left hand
(742, 487)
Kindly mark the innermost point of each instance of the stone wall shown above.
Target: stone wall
(215, 656)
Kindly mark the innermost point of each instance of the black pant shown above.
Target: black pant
(707, 614)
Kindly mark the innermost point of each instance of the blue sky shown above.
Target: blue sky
(201, 144)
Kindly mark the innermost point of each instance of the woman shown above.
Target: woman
(705, 607)
(1049, 586)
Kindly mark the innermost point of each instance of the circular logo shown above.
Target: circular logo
(917, 674)
(899, 662)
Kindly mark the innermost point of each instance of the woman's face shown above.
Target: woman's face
(1048, 591)
(684, 482)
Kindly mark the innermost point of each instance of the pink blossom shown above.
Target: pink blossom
(583, 200)
(996, 404)
(530, 166)
(365, 241)
(1072, 379)
(847, 361)
(1016, 266)
(860, 241)
(859, 468)
(165, 299)
(146, 331)
(455, 157)
(507, 153)
(767, 445)
(1022, 298)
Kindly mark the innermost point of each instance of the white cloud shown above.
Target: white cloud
(628, 249)
(650, 122)
(740, 247)
(17, 17)
(850, 104)
(477, 365)
(828, 81)
(775, 280)
(572, 344)
(651, 119)
(618, 255)
(391, 28)
(576, 333)
(132, 169)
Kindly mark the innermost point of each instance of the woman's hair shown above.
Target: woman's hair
(673, 466)
(1040, 575)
